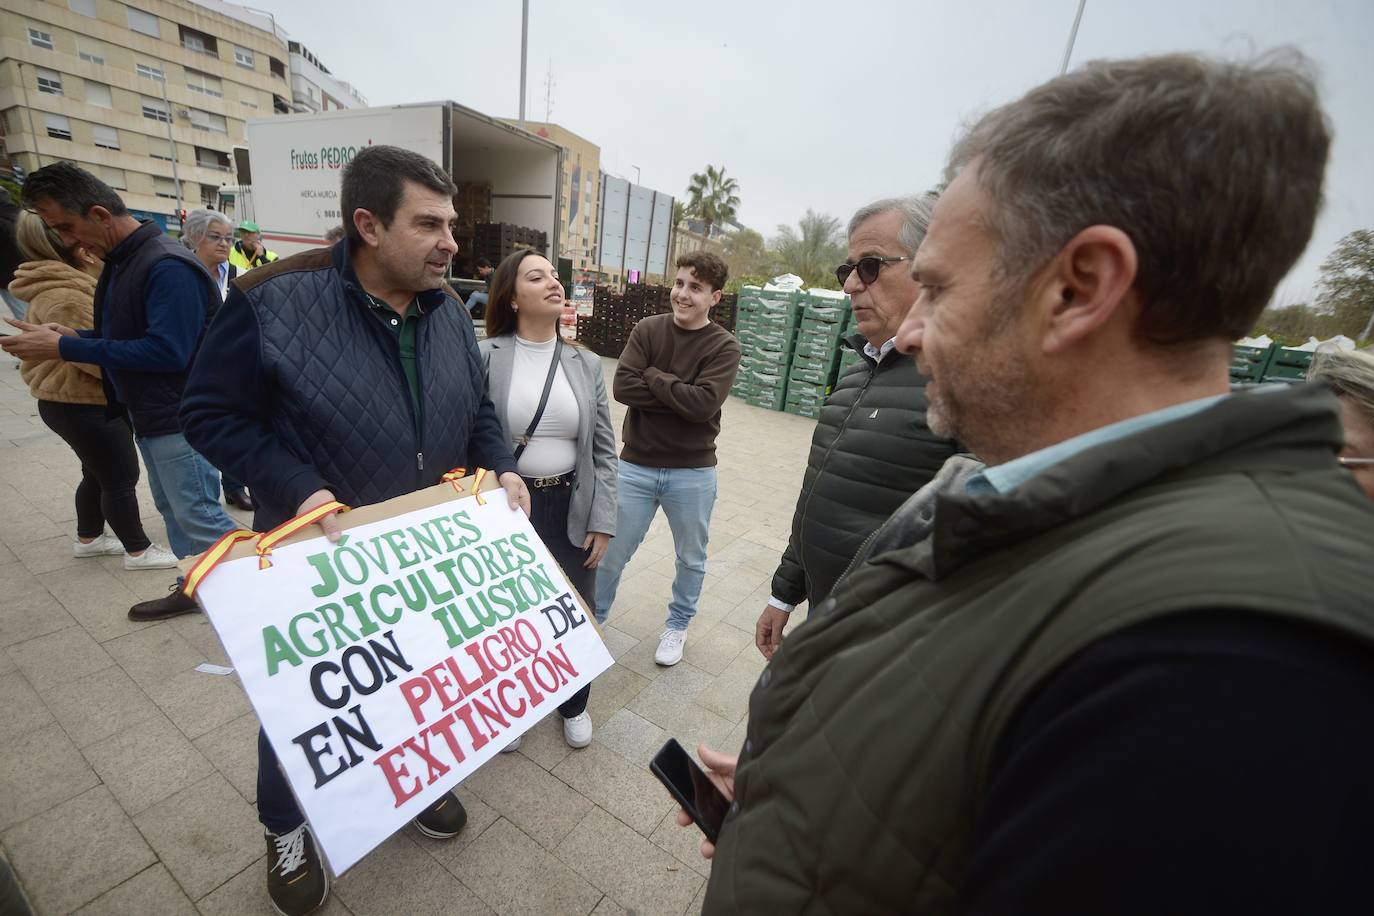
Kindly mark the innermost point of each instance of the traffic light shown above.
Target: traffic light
(181, 214)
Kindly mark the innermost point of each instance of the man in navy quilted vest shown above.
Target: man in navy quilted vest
(348, 373)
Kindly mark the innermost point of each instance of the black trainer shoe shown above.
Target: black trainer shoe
(296, 879)
(174, 603)
(443, 819)
(241, 499)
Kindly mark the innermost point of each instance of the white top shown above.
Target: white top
(553, 447)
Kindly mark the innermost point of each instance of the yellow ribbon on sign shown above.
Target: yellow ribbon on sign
(477, 486)
(453, 476)
(290, 527)
(210, 559)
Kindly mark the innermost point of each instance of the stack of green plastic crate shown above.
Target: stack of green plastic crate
(766, 324)
(816, 353)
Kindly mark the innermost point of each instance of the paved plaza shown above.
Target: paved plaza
(127, 778)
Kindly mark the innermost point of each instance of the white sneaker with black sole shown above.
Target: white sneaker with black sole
(107, 545)
(670, 646)
(577, 731)
(155, 557)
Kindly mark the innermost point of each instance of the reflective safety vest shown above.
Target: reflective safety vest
(240, 260)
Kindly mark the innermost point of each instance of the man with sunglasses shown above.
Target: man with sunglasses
(871, 448)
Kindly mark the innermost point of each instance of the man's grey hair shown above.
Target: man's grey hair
(1350, 373)
(915, 218)
(1213, 169)
(198, 223)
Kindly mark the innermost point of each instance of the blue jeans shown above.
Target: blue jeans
(186, 492)
(277, 808)
(687, 496)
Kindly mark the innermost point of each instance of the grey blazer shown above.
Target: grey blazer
(593, 506)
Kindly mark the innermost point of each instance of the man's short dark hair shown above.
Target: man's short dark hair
(707, 267)
(483, 262)
(375, 181)
(72, 188)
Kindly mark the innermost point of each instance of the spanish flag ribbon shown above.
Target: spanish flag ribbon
(211, 558)
(289, 527)
(453, 477)
(477, 486)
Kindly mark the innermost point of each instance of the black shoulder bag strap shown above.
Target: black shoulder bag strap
(544, 397)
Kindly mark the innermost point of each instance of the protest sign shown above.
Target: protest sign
(387, 667)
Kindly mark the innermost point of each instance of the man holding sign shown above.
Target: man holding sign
(347, 374)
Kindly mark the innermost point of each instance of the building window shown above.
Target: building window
(212, 159)
(105, 137)
(251, 103)
(98, 94)
(156, 110)
(204, 83)
(243, 57)
(164, 187)
(49, 81)
(114, 178)
(277, 67)
(84, 7)
(150, 71)
(92, 52)
(204, 120)
(158, 148)
(59, 128)
(40, 39)
(199, 42)
(145, 23)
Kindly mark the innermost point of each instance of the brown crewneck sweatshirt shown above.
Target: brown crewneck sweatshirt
(674, 382)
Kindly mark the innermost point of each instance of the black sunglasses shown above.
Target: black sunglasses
(868, 267)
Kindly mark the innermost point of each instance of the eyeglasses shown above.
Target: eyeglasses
(1356, 462)
(214, 238)
(868, 268)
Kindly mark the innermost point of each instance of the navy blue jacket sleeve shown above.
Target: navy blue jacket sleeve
(175, 306)
(226, 409)
(487, 446)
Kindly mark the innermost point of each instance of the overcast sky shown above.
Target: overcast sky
(819, 104)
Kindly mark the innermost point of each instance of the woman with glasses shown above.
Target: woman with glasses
(1350, 373)
(58, 282)
(210, 235)
(551, 398)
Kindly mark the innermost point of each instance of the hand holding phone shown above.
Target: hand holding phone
(694, 790)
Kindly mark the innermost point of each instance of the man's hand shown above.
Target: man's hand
(517, 494)
(330, 523)
(768, 631)
(596, 541)
(37, 343)
(720, 769)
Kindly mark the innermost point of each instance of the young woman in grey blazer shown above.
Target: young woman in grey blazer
(568, 461)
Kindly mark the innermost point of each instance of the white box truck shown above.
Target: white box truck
(289, 183)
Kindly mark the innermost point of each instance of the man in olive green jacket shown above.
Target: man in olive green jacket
(1128, 666)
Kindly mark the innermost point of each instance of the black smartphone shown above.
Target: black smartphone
(692, 788)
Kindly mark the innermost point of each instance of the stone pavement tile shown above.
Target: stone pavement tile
(678, 683)
(205, 834)
(7, 665)
(611, 690)
(639, 617)
(698, 902)
(617, 642)
(628, 791)
(631, 736)
(153, 654)
(245, 894)
(198, 632)
(608, 907)
(514, 875)
(540, 804)
(728, 694)
(147, 762)
(99, 705)
(76, 851)
(38, 542)
(445, 852)
(198, 702)
(544, 743)
(640, 659)
(40, 770)
(682, 843)
(142, 584)
(636, 873)
(397, 878)
(95, 599)
(24, 711)
(690, 723)
(151, 892)
(233, 750)
(712, 650)
(29, 610)
(59, 658)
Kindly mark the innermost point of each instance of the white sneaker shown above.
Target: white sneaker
(670, 647)
(513, 746)
(577, 731)
(107, 545)
(155, 557)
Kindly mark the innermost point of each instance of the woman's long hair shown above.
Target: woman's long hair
(500, 314)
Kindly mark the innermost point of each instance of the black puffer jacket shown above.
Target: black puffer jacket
(871, 450)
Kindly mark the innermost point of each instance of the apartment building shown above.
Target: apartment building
(580, 191)
(314, 88)
(150, 95)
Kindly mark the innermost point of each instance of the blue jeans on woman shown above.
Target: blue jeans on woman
(186, 492)
(687, 496)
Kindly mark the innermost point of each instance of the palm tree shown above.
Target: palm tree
(712, 197)
(813, 252)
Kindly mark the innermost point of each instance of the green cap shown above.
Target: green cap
(248, 226)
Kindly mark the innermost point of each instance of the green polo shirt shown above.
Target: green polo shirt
(403, 327)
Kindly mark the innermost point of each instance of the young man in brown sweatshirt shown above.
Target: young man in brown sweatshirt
(674, 376)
